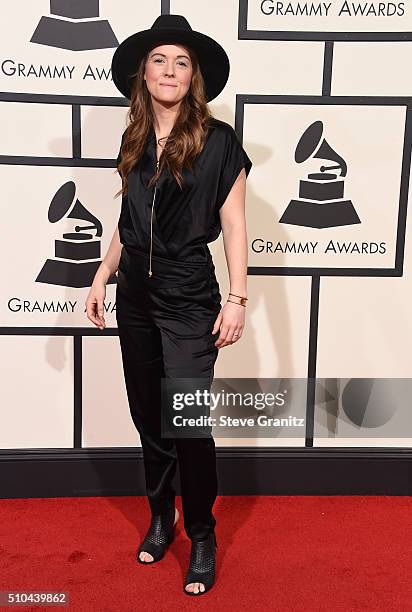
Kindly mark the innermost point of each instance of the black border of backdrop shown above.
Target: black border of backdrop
(305, 470)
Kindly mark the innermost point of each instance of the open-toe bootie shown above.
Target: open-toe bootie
(202, 564)
(158, 537)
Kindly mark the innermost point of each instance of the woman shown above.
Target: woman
(183, 181)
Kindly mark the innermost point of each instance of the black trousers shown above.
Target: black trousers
(165, 330)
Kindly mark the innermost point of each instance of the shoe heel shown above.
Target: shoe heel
(172, 535)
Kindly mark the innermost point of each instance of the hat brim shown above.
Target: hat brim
(213, 60)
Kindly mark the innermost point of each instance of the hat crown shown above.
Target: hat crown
(171, 22)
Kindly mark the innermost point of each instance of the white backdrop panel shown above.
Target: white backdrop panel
(41, 130)
(275, 340)
(30, 241)
(102, 128)
(372, 68)
(106, 415)
(370, 141)
(36, 408)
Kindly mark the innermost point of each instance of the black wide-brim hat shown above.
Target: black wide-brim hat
(213, 60)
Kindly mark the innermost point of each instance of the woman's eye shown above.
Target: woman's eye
(160, 59)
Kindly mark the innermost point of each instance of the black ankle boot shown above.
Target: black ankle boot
(158, 537)
(202, 564)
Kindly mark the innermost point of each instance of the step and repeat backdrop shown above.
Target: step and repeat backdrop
(320, 95)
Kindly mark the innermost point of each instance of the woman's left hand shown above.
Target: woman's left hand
(231, 321)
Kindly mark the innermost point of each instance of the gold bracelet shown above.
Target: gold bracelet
(241, 296)
(238, 303)
(243, 300)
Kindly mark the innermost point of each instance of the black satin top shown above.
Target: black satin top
(184, 221)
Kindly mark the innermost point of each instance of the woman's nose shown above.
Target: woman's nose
(169, 69)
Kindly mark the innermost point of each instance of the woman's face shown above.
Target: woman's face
(168, 73)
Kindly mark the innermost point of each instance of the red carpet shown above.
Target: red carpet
(282, 553)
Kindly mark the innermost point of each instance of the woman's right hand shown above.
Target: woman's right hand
(95, 304)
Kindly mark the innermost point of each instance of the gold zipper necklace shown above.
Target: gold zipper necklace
(151, 225)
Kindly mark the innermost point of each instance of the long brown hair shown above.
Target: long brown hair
(187, 137)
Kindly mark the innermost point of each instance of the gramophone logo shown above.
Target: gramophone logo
(321, 200)
(72, 266)
(75, 25)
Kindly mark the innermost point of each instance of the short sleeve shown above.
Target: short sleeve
(234, 159)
